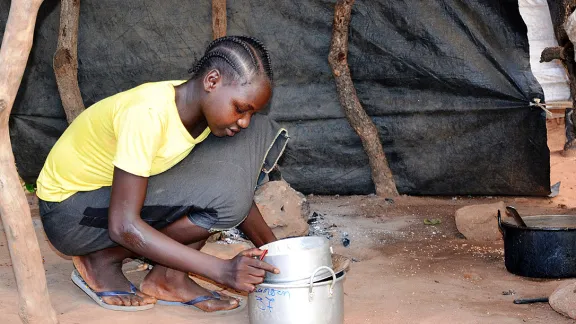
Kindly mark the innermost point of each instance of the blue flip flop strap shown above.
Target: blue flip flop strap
(215, 296)
(117, 293)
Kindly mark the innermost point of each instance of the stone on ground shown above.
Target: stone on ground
(480, 222)
(284, 209)
(563, 299)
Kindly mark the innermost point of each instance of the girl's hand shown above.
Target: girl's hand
(244, 272)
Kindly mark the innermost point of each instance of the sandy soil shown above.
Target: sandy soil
(403, 271)
(561, 167)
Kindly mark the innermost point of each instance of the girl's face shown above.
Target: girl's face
(228, 108)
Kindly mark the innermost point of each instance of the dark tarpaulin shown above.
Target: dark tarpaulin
(447, 82)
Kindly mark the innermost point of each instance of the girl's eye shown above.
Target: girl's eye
(238, 110)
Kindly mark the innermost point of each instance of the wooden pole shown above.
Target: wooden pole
(560, 11)
(218, 18)
(355, 113)
(34, 301)
(66, 59)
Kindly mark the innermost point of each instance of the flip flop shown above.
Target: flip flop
(96, 296)
(191, 304)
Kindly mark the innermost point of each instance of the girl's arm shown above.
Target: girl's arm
(256, 228)
(127, 229)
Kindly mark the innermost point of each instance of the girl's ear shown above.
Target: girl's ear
(211, 80)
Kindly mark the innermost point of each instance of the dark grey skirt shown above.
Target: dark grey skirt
(213, 186)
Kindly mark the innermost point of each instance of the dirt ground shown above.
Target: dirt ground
(403, 271)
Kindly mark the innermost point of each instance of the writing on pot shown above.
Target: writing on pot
(273, 292)
(265, 297)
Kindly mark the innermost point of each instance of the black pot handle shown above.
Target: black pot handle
(500, 225)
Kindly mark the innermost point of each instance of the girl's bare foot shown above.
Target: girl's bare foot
(171, 285)
(103, 273)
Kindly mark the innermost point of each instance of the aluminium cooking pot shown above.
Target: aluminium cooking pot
(308, 303)
(545, 248)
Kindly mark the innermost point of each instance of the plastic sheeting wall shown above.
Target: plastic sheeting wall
(447, 82)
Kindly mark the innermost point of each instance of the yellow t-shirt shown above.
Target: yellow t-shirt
(138, 131)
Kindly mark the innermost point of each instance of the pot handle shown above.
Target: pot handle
(310, 292)
(500, 224)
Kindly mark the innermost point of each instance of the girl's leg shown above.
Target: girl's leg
(102, 271)
(173, 285)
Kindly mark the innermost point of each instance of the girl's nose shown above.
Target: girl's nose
(244, 121)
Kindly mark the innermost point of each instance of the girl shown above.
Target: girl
(105, 196)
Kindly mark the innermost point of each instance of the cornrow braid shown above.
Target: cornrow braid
(236, 57)
(210, 55)
(198, 65)
(265, 55)
(237, 41)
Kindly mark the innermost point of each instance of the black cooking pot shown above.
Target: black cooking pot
(545, 248)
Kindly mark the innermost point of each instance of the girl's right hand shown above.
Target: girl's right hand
(244, 272)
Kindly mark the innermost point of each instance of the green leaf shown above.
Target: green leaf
(31, 187)
(433, 221)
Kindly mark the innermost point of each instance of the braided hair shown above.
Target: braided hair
(263, 54)
(238, 58)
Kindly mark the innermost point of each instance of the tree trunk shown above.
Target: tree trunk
(569, 63)
(218, 18)
(560, 11)
(358, 118)
(34, 301)
(66, 59)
